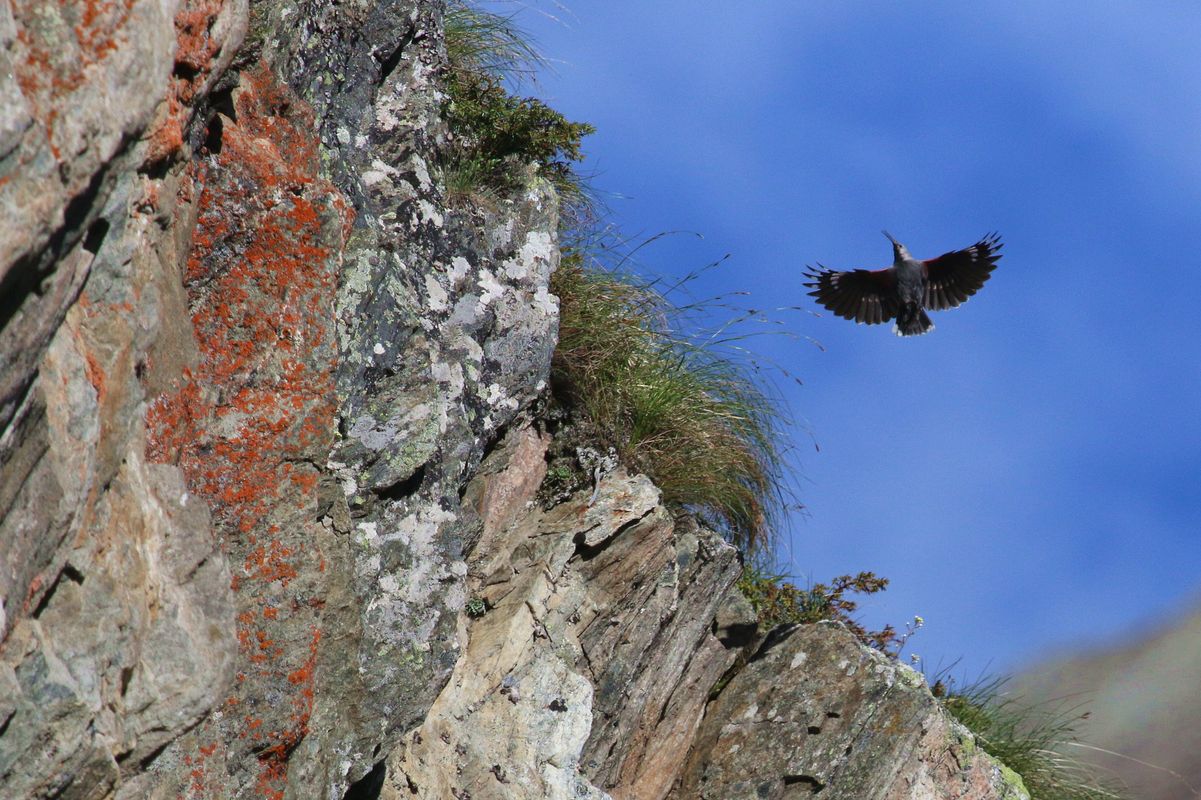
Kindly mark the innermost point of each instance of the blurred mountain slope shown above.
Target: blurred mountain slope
(1144, 702)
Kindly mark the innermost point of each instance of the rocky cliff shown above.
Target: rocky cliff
(271, 449)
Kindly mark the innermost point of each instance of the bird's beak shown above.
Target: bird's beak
(889, 235)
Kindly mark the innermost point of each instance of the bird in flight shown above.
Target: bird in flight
(909, 288)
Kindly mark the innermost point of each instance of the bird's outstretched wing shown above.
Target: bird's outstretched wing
(859, 294)
(954, 277)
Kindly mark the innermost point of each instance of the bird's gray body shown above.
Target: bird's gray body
(911, 291)
(911, 275)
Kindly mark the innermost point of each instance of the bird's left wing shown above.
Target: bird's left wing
(954, 277)
(859, 294)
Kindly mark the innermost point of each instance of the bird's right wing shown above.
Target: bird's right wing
(859, 294)
(954, 277)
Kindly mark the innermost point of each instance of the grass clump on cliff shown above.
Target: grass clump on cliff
(498, 133)
(694, 420)
(779, 602)
(690, 417)
(1030, 740)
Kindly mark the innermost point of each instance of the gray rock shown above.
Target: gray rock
(816, 712)
(588, 672)
(116, 629)
(294, 334)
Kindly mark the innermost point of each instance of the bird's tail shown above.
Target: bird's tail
(912, 321)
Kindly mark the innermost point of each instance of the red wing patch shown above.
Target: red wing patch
(954, 277)
(867, 296)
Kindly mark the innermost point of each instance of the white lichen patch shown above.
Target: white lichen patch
(428, 213)
(450, 375)
(459, 269)
(490, 287)
(538, 249)
(379, 171)
(422, 172)
(515, 269)
(368, 535)
(386, 115)
(378, 435)
(546, 302)
(799, 659)
(372, 176)
(450, 378)
(435, 293)
(418, 532)
(378, 349)
(498, 397)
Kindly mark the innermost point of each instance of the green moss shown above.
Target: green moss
(499, 133)
(1015, 787)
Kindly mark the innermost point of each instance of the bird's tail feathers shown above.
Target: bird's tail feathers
(912, 321)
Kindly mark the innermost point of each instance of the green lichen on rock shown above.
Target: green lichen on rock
(1012, 787)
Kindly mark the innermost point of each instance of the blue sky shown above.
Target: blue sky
(1029, 474)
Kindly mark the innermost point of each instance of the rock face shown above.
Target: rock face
(232, 539)
(814, 712)
(589, 669)
(269, 445)
(115, 629)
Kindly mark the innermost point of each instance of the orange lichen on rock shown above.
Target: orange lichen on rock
(47, 69)
(195, 56)
(250, 423)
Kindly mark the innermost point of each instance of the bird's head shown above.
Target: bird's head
(898, 249)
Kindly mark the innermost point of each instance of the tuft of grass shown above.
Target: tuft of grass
(1030, 740)
(484, 42)
(779, 602)
(688, 416)
(498, 133)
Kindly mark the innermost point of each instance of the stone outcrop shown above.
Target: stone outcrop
(602, 659)
(116, 604)
(270, 448)
(814, 712)
(588, 667)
